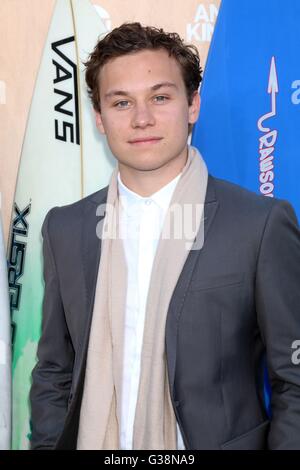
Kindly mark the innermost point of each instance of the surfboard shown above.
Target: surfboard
(63, 159)
(5, 352)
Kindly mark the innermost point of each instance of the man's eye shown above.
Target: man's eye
(122, 104)
(160, 98)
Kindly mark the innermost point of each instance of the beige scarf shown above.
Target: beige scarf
(155, 422)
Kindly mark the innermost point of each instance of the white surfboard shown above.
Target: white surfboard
(5, 352)
(63, 159)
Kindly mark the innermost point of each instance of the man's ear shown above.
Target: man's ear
(99, 122)
(194, 108)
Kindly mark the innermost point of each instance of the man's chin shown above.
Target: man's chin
(147, 167)
(142, 166)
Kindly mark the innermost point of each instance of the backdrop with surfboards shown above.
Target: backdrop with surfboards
(249, 124)
(63, 159)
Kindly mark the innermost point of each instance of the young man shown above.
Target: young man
(148, 341)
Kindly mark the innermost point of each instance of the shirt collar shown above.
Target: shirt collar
(162, 197)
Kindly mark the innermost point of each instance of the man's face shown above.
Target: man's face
(144, 109)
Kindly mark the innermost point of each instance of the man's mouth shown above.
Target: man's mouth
(144, 140)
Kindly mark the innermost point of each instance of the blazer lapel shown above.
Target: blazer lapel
(91, 251)
(90, 258)
(176, 304)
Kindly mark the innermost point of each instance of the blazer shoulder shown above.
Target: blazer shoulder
(232, 193)
(68, 215)
(246, 204)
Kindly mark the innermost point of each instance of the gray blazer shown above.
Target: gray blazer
(237, 299)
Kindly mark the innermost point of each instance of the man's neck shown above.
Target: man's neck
(146, 183)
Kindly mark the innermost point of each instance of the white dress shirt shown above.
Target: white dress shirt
(141, 223)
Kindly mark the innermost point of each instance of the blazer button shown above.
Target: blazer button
(176, 403)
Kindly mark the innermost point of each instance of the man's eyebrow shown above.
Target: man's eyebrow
(163, 84)
(112, 93)
(155, 87)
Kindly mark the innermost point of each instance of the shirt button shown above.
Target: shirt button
(148, 202)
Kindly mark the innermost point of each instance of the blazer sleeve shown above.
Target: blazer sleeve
(278, 310)
(52, 375)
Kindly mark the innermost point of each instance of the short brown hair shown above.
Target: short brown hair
(133, 37)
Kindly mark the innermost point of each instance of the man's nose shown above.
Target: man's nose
(142, 116)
